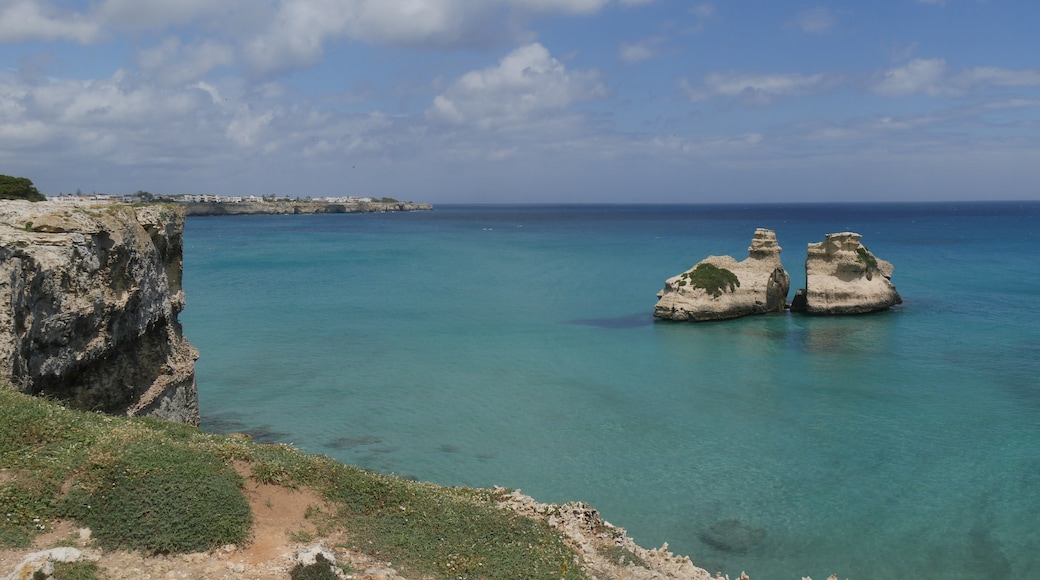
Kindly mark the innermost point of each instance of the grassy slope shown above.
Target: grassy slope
(169, 488)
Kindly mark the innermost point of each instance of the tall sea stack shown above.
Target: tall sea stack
(843, 277)
(719, 287)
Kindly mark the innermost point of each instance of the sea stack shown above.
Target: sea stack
(843, 277)
(89, 297)
(719, 287)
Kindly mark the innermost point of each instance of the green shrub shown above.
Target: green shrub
(321, 569)
(164, 487)
(163, 499)
(24, 514)
(711, 278)
(19, 188)
(75, 571)
(448, 533)
(864, 256)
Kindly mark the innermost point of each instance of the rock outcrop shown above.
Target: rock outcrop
(719, 287)
(843, 277)
(300, 207)
(89, 297)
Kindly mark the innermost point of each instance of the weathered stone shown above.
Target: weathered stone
(761, 286)
(89, 297)
(42, 563)
(843, 277)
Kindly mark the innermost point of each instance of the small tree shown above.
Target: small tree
(19, 188)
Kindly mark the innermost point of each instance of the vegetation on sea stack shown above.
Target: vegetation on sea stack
(711, 279)
(864, 256)
(19, 188)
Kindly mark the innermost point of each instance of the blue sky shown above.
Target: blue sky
(525, 100)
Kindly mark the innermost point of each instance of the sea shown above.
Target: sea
(514, 345)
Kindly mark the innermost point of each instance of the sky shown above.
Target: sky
(517, 101)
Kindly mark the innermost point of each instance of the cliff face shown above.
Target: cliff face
(89, 297)
(843, 277)
(756, 285)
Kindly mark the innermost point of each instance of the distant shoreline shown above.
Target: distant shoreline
(298, 207)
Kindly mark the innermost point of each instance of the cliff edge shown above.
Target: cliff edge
(89, 298)
(719, 287)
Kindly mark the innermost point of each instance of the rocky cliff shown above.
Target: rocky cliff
(300, 207)
(89, 297)
(843, 277)
(719, 287)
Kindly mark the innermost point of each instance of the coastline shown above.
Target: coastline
(299, 207)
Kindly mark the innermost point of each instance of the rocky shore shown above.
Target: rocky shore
(299, 207)
(602, 550)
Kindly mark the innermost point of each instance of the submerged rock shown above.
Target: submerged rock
(732, 536)
(843, 277)
(719, 287)
(90, 297)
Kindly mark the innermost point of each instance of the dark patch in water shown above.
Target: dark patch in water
(352, 442)
(732, 536)
(384, 449)
(621, 322)
(985, 555)
(485, 456)
(449, 448)
(260, 433)
(264, 434)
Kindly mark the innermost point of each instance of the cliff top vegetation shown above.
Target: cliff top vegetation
(19, 188)
(167, 488)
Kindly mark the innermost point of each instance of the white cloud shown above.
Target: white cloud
(917, 76)
(526, 85)
(928, 76)
(173, 63)
(756, 89)
(703, 10)
(300, 29)
(987, 76)
(816, 20)
(22, 20)
(633, 52)
(563, 6)
(138, 14)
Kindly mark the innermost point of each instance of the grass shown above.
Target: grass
(711, 279)
(75, 571)
(168, 488)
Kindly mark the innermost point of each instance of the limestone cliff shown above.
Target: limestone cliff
(300, 207)
(89, 297)
(843, 277)
(719, 287)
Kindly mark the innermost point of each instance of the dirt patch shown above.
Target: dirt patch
(280, 528)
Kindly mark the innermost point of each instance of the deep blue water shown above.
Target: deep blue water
(513, 345)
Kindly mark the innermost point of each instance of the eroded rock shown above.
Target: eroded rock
(843, 277)
(89, 297)
(719, 287)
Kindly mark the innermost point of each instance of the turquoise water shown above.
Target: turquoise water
(513, 345)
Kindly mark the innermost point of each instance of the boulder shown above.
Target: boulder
(843, 277)
(41, 564)
(719, 287)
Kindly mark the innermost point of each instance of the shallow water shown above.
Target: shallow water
(513, 345)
